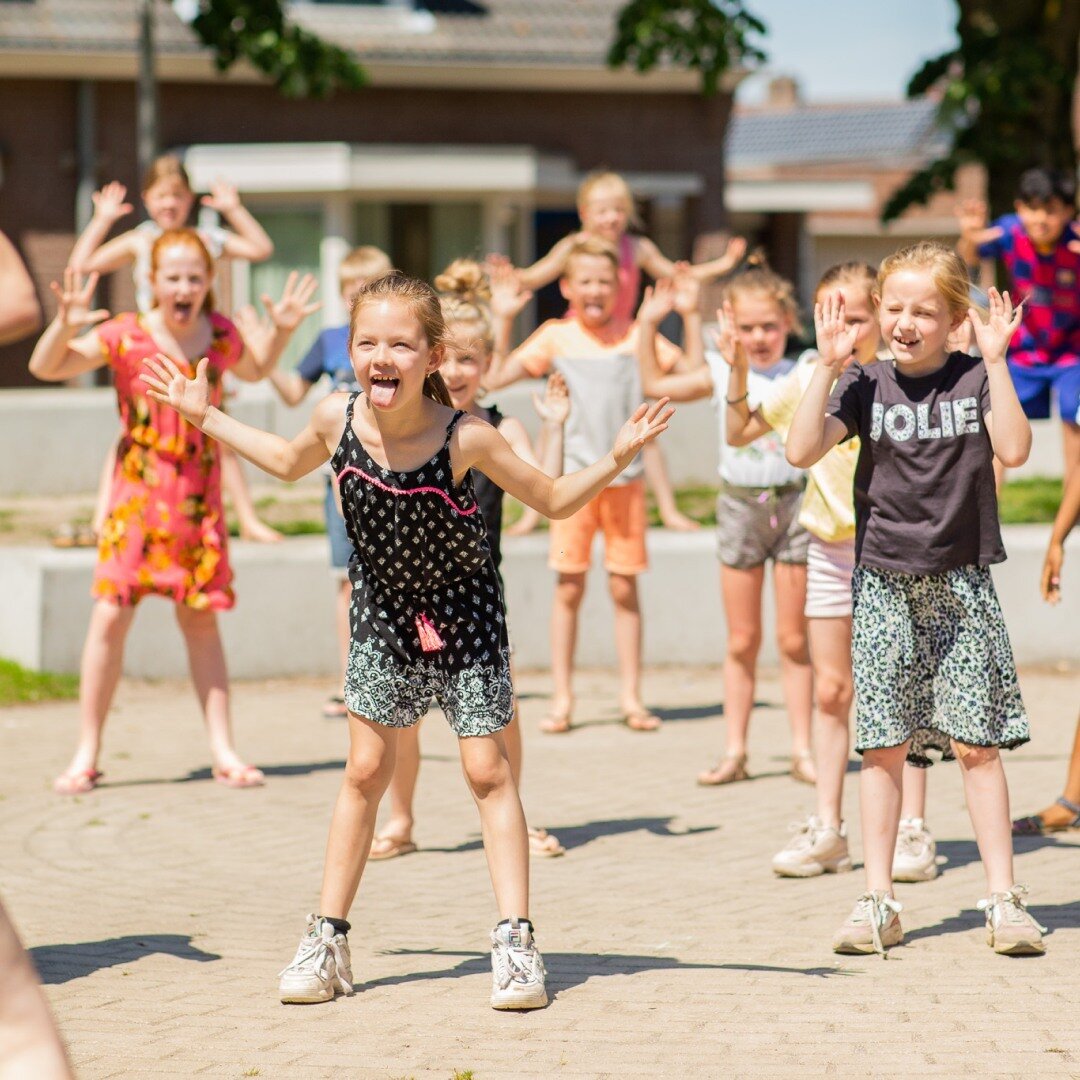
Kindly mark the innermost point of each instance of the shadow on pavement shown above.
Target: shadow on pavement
(575, 836)
(1052, 916)
(567, 970)
(63, 963)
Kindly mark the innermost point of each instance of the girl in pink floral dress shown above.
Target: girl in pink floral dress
(165, 531)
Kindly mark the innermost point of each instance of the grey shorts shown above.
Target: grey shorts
(340, 545)
(754, 525)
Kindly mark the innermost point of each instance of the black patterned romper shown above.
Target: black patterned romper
(426, 615)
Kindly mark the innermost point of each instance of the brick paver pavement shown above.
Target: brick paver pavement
(160, 908)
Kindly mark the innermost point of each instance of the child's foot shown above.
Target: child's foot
(915, 858)
(76, 781)
(388, 846)
(321, 968)
(1010, 929)
(802, 767)
(239, 775)
(258, 532)
(679, 522)
(1063, 814)
(641, 719)
(334, 708)
(872, 927)
(814, 849)
(543, 845)
(730, 769)
(518, 979)
(559, 721)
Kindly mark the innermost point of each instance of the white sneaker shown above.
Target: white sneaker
(321, 968)
(517, 969)
(813, 849)
(872, 927)
(1010, 928)
(915, 858)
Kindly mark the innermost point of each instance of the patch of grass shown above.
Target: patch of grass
(302, 527)
(1034, 500)
(463, 1074)
(20, 686)
(253, 1071)
(7, 520)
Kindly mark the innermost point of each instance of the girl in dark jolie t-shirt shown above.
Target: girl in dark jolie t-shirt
(933, 666)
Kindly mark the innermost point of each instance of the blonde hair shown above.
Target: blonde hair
(165, 167)
(364, 262)
(591, 245)
(184, 238)
(603, 178)
(464, 294)
(848, 273)
(761, 281)
(945, 267)
(423, 303)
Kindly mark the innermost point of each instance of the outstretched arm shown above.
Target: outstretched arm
(60, 352)
(508, 300)
(249, 239)
(91, 252)
(265, 339)
(283, 458)
(1008, 427)
(485, 449)
(813, 433)
(547, 268)
(20, 313)
(658, 265)
(657, 304)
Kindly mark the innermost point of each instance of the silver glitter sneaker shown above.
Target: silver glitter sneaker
(321, 968)
(517, 969)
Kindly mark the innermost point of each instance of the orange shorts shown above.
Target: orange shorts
(619, 512)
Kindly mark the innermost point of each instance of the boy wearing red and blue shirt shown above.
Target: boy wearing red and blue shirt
(1039, 246)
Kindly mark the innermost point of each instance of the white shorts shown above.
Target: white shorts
(828, 578)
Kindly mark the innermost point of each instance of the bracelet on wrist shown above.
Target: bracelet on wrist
(738, 400)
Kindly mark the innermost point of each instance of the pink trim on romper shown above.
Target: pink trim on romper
(408, 491)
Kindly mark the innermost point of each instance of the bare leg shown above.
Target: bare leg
(741, 591)
(502, 821)
(252, 527)
(789, 580)
(569, 592)
(1070, 440)
(206, 658)
(344, 634)
(879, 802)
(99, 672)
(30, 1046)
(399, 826)
(367, 774)
(656, 476)
(913, 802)
(1058, 816)
(987, 795)
(830, 651)
(624, 594)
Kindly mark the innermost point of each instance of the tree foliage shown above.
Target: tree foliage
(1006, 96)
(710, 36)
(300, 64)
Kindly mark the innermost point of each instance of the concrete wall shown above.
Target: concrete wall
(283, 622)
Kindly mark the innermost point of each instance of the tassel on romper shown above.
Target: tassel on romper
(426, 615)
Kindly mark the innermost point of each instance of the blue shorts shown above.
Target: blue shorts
(341, 548)
(1036, 385)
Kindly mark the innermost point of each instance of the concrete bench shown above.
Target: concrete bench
(283, 621)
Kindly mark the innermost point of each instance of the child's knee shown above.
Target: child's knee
(972, 757)
(486, 774)
(369, 775)
(793, 645)
(623, 590)
(890, 758)
(569, 589)
(743, 644)
(834, 693)
(195, 623)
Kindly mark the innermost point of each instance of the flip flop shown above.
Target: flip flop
(544, 845)
(729, 770)
(334, 708)
(240, 776)
(77, 783)
(642, 720)
(392, 848)
(556, 724)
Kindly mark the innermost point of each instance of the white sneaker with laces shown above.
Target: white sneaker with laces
(1010, 928)
(915, 858)
(321, 968)
(872, 926)
(813, 849)
(517, 969)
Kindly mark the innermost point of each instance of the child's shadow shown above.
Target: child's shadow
(567, 970)
(62, 963)
(575, 836)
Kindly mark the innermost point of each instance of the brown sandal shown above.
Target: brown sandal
(544, 845)
(729, 770)
(642, 720)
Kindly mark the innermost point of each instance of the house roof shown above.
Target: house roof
(807, 134)
(548, 33)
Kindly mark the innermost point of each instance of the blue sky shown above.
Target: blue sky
(849, 50)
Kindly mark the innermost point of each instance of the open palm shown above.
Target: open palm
(73, 300)
(295, 304)
(165, 382)
(994, 335)
(646, 424)
(835, 339)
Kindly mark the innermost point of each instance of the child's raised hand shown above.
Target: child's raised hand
(733, 253)
(994, 335)
(294, 306)
(74, 299)
(1050, 583)
(835, 339)
(508, 298)
(256, 330)
(166, 383)
(657, 303)
(223, 197)
(725, 339)
(554, 407)
(110, 202)
(646, 424)
(971, 216)
(687, 299)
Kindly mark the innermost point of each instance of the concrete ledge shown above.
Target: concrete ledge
(283, 622)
